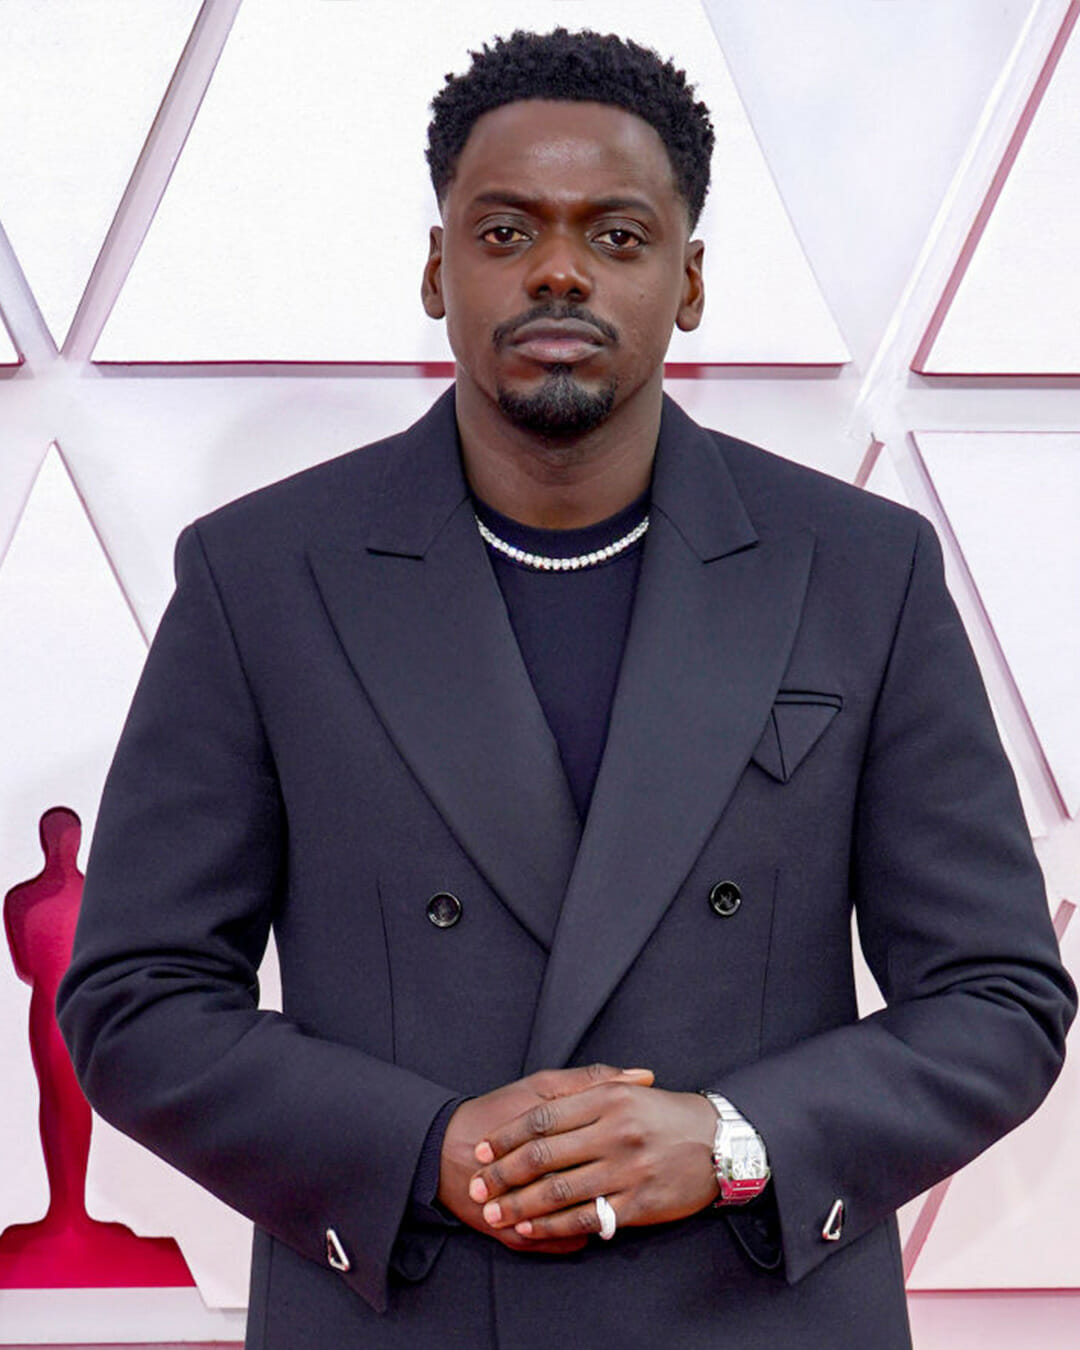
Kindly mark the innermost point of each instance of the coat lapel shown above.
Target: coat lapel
(714, 621)
(418, 611)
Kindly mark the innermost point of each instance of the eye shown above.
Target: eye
(620, 239)
(503, 235)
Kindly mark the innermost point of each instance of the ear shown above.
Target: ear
(431, 285)
(693, 295)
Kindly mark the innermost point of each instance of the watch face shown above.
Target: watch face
(748, 1161)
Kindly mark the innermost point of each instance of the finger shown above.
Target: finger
(545, 1246)
(549, 1195)
(571, 1222)
(532, 1160)
(540, 1121)
(550, 1083)
(551, 1118)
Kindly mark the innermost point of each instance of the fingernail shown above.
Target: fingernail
(477, 1190)
(484, 1152)
(493, 1212)
(524, 1228)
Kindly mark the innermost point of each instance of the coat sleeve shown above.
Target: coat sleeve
(954, 923)
(159, 1007)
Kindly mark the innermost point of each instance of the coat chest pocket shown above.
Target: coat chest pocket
(797, 721)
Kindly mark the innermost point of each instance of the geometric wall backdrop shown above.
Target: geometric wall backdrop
(847, 99)
(1013, 501)
(1016, 307)
(80, 83)
(78, 653)
(1010, 499)
(148, 449)
(293, 228)
(8, 355)
(1009, 1219)
(156, 453)
(884, 480)
(72, 655)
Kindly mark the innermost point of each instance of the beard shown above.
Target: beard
(560, 409)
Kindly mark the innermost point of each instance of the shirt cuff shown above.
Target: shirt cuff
(424, 1205)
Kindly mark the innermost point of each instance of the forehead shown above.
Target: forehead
(554, 149)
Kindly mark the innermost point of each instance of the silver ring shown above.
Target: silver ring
(606, 1215)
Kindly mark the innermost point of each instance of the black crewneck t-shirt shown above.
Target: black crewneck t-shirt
(571, 628)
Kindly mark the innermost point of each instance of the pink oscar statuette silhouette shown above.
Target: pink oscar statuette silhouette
(67, 1248)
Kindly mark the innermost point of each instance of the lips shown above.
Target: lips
(557, 341)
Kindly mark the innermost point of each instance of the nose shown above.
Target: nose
(559, 268)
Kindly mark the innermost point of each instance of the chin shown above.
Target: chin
(560, 408)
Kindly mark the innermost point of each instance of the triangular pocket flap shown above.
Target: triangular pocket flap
(797, 720)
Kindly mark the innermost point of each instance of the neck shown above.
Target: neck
(558, 484)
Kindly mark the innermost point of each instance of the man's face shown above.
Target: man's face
(562, 263)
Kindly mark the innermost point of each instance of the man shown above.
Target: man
(559, 733)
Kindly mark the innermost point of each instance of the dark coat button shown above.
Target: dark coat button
(444, 909)
(725, 898)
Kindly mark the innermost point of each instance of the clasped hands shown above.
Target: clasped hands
(525, 1163)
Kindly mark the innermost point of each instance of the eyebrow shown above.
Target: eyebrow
(596, 206)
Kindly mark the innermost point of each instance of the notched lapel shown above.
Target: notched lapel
(797, 722)
(427, 634)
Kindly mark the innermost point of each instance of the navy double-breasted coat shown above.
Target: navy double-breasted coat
(335, 724)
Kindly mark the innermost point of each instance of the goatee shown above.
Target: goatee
(560, 409)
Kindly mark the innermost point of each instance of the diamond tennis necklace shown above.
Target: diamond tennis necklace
(544, 564)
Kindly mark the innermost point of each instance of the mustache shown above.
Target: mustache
(506, 330)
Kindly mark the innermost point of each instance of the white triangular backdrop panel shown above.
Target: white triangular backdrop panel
(1013, 501)
(156, 454)
(8, 354)
(885, 480)
(80, 84)
(293, 229)
(1015, 310)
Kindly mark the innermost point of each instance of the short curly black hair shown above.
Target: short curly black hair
(583, 67)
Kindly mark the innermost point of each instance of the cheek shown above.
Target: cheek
(649, 317)
(468, 329)
(646, 331)
(463, 295)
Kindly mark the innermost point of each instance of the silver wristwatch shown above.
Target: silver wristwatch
(739, 1158)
